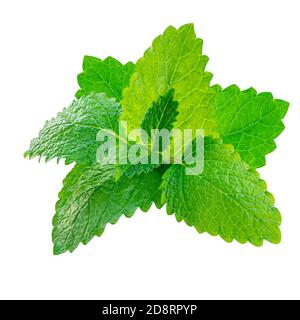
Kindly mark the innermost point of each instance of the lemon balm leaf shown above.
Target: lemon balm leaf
(107, 76)
(174, 61)
(226, 199)
(250, 122)
(161, 115)
(91, 198)
(71, 135)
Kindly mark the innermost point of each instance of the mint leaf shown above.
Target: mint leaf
(175, 60)
(161, 115)
(72, 134)
(158, 198)
(108, 76)
(250, 122)
(131, 170)
(227, 199)
(91, 198)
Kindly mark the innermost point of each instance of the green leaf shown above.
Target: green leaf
(175, 60)
(131, 170)
(158, 196)
(91, 198)
(161, 115)
(227, 199)
(250, 122)
(72, 134)
(108, 76)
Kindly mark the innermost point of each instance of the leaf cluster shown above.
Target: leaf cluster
(168, 87)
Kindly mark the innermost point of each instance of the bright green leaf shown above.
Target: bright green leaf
(108, 76)
(72, 134)
(174, 60)
(161, 115)
(91, 198)
(250, 122)
(227, 199)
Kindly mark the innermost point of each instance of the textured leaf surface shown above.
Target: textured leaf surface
(250, 122)
(227, 199)
(175, 61)
(131, 170)
(92, 198)
(161, 115)
(108, 76)
(72, 134)
(158, 198)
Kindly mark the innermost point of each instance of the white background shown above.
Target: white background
(250, 43)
